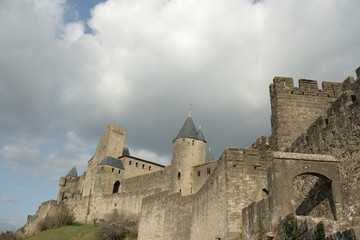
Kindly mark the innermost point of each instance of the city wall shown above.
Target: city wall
(165, 216)
(151, 181)
(338, 133)
(295, 108)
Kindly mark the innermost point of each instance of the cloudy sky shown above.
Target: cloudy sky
(68, 68)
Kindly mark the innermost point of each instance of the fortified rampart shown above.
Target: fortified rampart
(338, 133)
(307, 167)
(293, 109)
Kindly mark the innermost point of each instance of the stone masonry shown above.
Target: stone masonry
(308, 167)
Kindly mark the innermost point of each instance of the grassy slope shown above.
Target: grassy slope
(73, 232)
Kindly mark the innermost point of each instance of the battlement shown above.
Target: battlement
(306, 87)
(293, 108)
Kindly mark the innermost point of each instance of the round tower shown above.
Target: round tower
(189, 148)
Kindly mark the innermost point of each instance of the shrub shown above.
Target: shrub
(9, 235)
(261, 229)
(115, 227)
(320, 231)
(290, 228)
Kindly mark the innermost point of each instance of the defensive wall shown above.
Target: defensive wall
(293, 109)
(236, 181)
(247, 190)
(156, 180)
(338, 133)
(201, 174)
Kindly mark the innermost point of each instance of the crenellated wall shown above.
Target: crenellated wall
(293, 109)
(338, 133)
(309, 166)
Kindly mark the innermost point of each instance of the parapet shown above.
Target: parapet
(306, 87)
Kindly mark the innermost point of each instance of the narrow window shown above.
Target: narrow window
(143, 166)
(112, 170)
(193, 142)
(136, 164)
(129, 162)
(179, 175)
(198, 173)
(353, 98)
(208, 171)
(119, 171)
(149, 168)
(116, 187)
(327, 121)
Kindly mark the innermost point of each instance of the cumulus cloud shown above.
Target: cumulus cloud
(146, 61)
(34, 157)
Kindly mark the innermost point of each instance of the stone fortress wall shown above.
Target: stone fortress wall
(308, 167)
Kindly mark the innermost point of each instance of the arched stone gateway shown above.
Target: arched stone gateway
(116, 187)
(313, 196)
(304, 184)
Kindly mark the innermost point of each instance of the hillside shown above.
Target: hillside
(73, 232)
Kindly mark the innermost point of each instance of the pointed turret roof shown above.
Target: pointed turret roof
(200, 135)
(72, 173)
(188, 130)
(111, 161)
(209, 156)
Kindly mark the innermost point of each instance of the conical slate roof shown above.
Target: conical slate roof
(72, 173)
(111, 161)
(188, 130)
(200, 135)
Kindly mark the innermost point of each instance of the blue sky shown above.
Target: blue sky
(65, 74)
(82, 9)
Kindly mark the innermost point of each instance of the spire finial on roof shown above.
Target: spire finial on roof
(190, 110)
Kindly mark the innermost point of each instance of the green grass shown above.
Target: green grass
(73, 232)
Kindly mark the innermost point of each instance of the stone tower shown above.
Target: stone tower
(293, 109)
(111, 144)
(189, 148)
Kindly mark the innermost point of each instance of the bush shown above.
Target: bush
(290, 228)
(9, 235)
(62, 217)
(115, 227)
(320, 231)
(261, 229)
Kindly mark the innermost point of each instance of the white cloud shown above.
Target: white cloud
(40, 160)
(150, 156)
(147, 61)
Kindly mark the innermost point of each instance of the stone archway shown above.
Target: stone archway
(116, 187)
(317, 177)
(314, 196)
